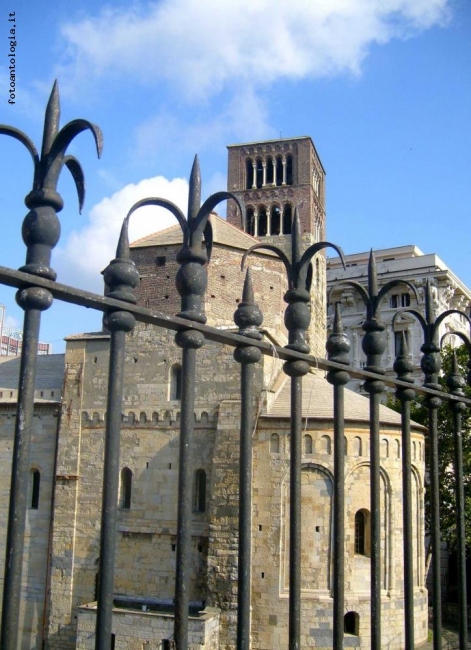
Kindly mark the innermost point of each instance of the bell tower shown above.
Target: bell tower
(272, 179)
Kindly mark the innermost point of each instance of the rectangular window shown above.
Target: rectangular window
(399, 300)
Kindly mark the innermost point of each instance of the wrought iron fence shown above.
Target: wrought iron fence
(37, 287)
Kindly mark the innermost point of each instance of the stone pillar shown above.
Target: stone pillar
(264, 165)
(284, 170)
(254, 180)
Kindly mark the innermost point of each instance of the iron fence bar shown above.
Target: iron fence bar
(404, 367)
(295, 516)
(71, 295)
(433, 405)
(121, 277)
(338, 347)
(19, 481)
(456, 383)
(248, 317)
(375, 500)
(110, 493)
(185, 476)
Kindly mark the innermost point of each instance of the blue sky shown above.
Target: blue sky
(382, 86)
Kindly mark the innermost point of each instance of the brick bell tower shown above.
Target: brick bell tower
(272, 179)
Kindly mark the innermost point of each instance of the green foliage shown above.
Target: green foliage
(446, 447)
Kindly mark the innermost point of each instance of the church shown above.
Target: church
(60, 575)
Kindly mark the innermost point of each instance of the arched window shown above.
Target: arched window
(35, 483)
(259, 171)
(274, 443)
(289, 170)
(325, 445)
(357, 446)
(269, 170)
(384, 448)
(250, 221)
(262, 221)
(176, 381)
(279, 171)
(362, 533)
(275, 220)
(307, 444)
(199, 492)
(351, 623)
(249, 173)
(287, 218)
(126, 486)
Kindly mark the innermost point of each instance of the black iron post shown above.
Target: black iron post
(191, 284)
(121, 278)
(297, 319)
(404, 368)
(374, 345)
(338, 347)
(41, 232)
(248, 318)
(456, 383)
(431, 365)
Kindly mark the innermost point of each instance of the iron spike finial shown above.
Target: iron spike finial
(51, 120)
(247, 293)
(337, 325)
(194, 194)
(372, 275)
(428, 301)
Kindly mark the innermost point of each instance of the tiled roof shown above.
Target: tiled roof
(223, 233)
(317, 398)
(49, 372)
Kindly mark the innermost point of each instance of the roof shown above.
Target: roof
(224, 234)
(49, 372)
(317, 399)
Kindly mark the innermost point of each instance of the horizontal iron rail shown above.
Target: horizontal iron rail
(71, 295)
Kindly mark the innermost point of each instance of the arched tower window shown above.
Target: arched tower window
(262, 221)
(362, 532)
(250, 221)
(176, 381)
(259, 172)
(275, 220)
(287, 218)
(249, 173)
(269, 170)
(289, 170)
(279, 171)
(35, 484)
(126, 486)
(199, 492)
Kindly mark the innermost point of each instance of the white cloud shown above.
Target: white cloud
(243, 118)
(88, 251)
(202, 46)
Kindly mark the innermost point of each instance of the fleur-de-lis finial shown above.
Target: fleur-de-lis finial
(192, 276)
(41, 228)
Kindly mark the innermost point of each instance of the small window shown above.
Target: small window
(307, 445)
(126, 486)
(362, 533)
(274, 443)
(35, 483)
(176, 382)
(199, 494)
(160, 261)
(351, 623)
